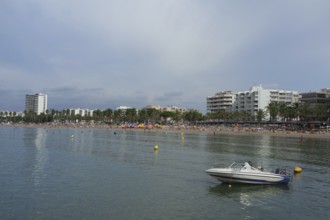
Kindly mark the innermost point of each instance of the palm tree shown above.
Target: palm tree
(154, 114)
(108, 114)
(303, 111)
(167, 115)
(142, 116)
(273, 109)
(131, 114)
(192, 115)
(283, 111)
(177, 116)
(117, 115)
(260, 116)
(221, 114)
(98, 115)
(321, 112)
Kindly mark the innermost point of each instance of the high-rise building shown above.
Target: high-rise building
(36, 103)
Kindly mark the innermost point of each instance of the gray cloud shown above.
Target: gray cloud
(172, 52)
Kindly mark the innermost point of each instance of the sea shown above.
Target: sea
(82, 173)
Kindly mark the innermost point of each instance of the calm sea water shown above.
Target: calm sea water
(46, 174)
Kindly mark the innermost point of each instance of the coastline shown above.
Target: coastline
(211, 130)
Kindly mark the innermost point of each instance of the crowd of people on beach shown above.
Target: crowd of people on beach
(211, 129)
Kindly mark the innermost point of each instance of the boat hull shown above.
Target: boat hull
(230, 176)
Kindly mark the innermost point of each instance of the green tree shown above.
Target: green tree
(283, 111)
(303, 110)
(260, 116)
(192, 115)
(117, 116)
(98, 115)
(153, 115)
(321, 112)
(166, 115)
(222, 115)
(143, 115)
(177, 116)
(293, 111)
(131, 115)
(108, 115)
(273, 109)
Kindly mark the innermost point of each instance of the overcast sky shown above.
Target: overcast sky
(103, 54)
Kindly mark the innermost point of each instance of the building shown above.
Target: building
(81, 112)
(249, 101)
(314, 98)
(317, 105)
(157, 107)
(327, 92)
(173, 109)
(259, 98)
(221, 101)
(36, 103)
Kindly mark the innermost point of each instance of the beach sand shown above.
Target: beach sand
(211, 130)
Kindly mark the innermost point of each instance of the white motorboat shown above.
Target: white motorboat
(246, 173)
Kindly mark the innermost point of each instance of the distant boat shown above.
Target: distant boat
(246, 173)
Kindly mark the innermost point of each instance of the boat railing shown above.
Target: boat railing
(218, 165)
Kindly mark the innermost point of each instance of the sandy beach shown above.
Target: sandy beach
(212, 130)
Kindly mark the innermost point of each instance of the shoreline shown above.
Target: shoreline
(211, 130)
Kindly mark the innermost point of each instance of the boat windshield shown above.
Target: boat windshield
(242, 166)
(237, 166)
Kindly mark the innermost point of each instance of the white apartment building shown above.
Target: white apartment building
(221, 101)
(173, 109)
(250, 101)
(82, 112)
(36, 103)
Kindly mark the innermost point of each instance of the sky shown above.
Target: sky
(104, 54)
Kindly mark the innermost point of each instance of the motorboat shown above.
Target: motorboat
(247, 173)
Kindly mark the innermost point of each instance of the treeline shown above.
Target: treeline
(108, 116)
(277, 111)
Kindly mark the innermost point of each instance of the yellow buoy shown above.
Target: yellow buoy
(156, 147)
(297, 169)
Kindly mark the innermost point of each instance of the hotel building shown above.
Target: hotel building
(221, 101)
(36, 103)
(250, 101)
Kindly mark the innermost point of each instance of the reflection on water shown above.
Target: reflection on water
(39, 137)
(41, 156)
(232, 190)
(249, 195)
